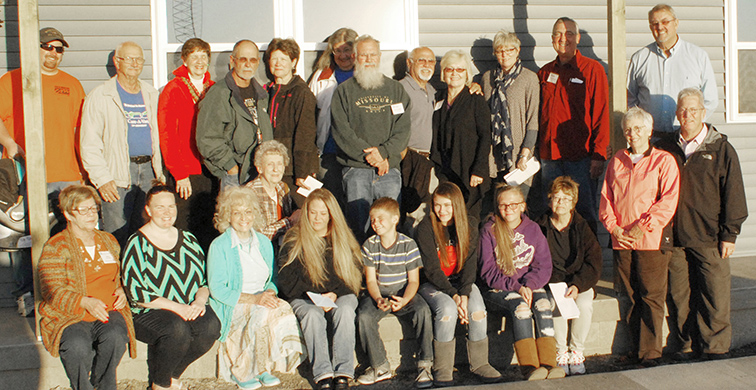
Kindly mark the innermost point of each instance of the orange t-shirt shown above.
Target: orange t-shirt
(451, 257)
(101, 273)
(62, 98)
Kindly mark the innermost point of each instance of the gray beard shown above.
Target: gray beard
(368, 78)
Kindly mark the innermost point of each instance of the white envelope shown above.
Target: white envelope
(320, 300)
(567, 306)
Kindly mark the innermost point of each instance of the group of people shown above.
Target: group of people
(228, 156)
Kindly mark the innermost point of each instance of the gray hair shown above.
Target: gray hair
(127, 43)
(638, 113)
(271, 147)
(661, 7)
(455, 55)
(691, 91)
(366, 38)
(235, 50)
(565, 19)
(414, 51)
(233, 197)
(505, 38)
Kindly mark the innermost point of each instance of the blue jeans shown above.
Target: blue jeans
(314, 323)
(445, 313)
(124, 216)
(512, 302)
(580, 172)
(362, 186)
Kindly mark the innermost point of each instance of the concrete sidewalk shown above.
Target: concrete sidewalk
(739, 373)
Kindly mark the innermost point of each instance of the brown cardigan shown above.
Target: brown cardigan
(63, 283)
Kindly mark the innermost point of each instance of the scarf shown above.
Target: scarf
(501, 130)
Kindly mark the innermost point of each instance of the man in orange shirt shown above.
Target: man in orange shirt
(62, 97)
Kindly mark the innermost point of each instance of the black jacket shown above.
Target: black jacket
(583, 266)
(712, 204)
(460, 283)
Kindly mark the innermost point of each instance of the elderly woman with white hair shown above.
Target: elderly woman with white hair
(271, 193)
(462, 133)
(259, 332)
(638, 201)
(513, 96)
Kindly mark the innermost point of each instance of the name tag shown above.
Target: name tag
(397, 109)
(553, 78)
(576, 80)
(107, 257)
(438, 105)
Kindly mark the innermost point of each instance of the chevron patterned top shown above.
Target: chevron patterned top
(149, 272)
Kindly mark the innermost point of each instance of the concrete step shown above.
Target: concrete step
(6, 282)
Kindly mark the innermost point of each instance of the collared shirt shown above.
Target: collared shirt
(272, 226)
(689, 147)
(255, 271)
(574, 110)
(654, 80)
(421, 113)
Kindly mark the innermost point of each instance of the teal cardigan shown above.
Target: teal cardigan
(224, 276)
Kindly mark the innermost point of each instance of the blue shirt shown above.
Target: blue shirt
(139, 132)
(654, 80)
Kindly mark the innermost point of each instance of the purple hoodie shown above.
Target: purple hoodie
(532, 258)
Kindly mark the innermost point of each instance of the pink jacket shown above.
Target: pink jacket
(645, 195)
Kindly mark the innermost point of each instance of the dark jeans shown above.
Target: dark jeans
(173, 344)
(522, 316)
(90, 352)
(641, 284)
(416, 310)
(699, 281)
(124, 216)
(196, 213)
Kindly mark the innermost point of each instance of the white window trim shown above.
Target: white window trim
(732, 46)
(289, 15)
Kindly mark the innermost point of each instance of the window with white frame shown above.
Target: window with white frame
(741, 57)
(223, 22)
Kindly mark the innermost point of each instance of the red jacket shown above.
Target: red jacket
(177, 120)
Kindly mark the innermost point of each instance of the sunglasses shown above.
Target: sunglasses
(49, 47)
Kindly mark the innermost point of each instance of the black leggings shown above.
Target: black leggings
(173, 344)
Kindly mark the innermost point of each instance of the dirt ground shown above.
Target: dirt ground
(404, 379)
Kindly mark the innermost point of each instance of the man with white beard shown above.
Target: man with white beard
(417, 179)
(371, 126)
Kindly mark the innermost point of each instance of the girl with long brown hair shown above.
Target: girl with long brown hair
(320, 255)
(448, 245)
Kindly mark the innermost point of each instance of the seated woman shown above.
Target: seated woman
(259, 332)
(83, 312)
(515, 265)
(576, 260)
(164, 279)
(448, 245)
(271, 193)
(321, 256)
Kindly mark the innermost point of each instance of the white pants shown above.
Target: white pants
(580, 326)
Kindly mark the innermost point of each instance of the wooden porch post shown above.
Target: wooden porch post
(617, 72)
(36, 178)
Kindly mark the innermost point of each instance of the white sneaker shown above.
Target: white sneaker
(25, 304)
(563, 360)
(577, 363)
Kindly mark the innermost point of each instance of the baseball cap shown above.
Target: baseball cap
(49, 34)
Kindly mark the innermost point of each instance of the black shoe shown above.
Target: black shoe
(324, 384)
(717, 356)
(648, 363)
(341, 383)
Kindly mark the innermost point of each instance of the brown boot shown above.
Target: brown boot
(547, 357)
(527, 358)
(443, 363)
(477, 353)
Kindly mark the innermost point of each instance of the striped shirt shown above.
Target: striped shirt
(391, 264)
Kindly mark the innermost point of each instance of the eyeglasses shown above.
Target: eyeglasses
(247, 213)
(568, 34)
(634, 129)
(368, 56)
(692, 111)
(453, 70)
(344, 50)
(664, 23)
(88, 210)
(133, 60)
(508, 52)
(49, 47)
(425, 61)
(562, 199)
(510, 206)
(244, 60)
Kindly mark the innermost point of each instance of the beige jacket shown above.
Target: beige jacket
(104, 135)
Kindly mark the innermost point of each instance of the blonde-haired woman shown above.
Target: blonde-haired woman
(462, 133)
(321, 255)
(515, 264)
(259, 332)
(448, 245)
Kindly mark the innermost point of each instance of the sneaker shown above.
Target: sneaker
(267, 379)
(372, 375)
(577, 363)
(251, 384)
(563, 360)
(323, 384)
(341, 383)
(424, 378)
(25, 304)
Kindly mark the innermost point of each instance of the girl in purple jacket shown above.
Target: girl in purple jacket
(515, 264)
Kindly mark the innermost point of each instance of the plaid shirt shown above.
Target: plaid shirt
(269, 224)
